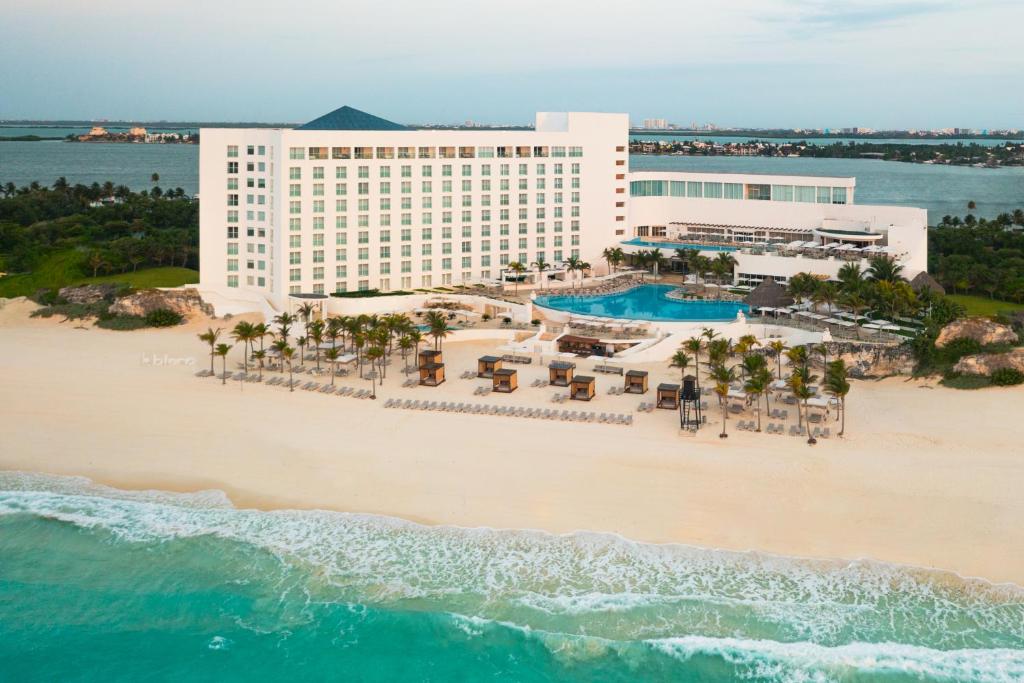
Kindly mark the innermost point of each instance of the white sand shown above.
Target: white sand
(926, 476)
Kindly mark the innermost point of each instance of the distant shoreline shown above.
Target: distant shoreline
(810, 135)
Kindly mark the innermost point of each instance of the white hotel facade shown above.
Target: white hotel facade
(352, 202)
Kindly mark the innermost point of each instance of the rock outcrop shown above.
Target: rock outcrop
(87, 294)
(183, 301)
(987, 363)
(985, 332)
(872, 360)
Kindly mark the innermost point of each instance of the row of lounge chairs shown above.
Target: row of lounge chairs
(616, 391)
(537, 383)
(523, 360)
(410, 383)
(794, 430)
(646, 408)
(482, 391)
(509, 411)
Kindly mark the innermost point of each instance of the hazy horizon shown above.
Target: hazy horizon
(915, 64)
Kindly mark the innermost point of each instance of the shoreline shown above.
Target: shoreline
(909, 485)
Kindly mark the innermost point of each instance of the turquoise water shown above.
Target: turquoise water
(98, 584)
(646, 302)
(641, 242)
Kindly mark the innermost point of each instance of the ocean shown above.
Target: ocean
(102, 584)
(939, 189)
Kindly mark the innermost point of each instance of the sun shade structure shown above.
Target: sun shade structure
(487, 365)
(505, 380)
(923, 281)
(348, 118)
(431, 367)
(636, 382)
(768, 294)
(668, 396)
(560, 373)
(582, 388)
(586, 346)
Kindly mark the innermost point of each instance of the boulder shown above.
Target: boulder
(987, 363)
(182, 301)
(865, 360)
(983, 331)
(87, 294)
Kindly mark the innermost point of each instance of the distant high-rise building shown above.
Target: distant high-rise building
(655, 124)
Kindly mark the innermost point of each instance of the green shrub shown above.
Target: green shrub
(163, 317)
(535, 322)
(1005, 377)
(122, 322)
(73, 311)
(955, 380)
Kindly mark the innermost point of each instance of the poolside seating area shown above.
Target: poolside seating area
(623, 419)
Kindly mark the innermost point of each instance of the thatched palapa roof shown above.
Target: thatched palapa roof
(768, 294)
(923, 281)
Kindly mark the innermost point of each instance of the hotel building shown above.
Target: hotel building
(350, 201)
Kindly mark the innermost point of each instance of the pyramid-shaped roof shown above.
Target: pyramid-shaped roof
(769, 294)
(347, 118)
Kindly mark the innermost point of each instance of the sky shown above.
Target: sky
(893, 64)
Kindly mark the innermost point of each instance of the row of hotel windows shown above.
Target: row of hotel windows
(427, 186)
(712, 190)
(426, 170)
(250, 166)
(384, 219)
(426, 281)
(384, 268)
(520, 151)
(250, 150)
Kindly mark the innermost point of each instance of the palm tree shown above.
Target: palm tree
(316, 338)
(405, 343)
(655, 257)
(439, 328)
(417, 338)
(723, 263)
(801, 286)
(260, 331)
(331, 355)
(757, 385)
(751, 365)
(851, 278)
(243, 333)
(284, 324)
(800, 382)
(797, 357)
(884, 269)
(694, 346)
(517, 268)
(573, 264)
(618, 256)
(777, 347)
(701, 265)
(541, 265)
(210, 337)
(306, 312)
(288, 355)
(259, 355)
(222, 351)
(837, 383)
(373, 354)
(680, 360)
(825, 293)
(822, 351)
(609, 257)
(302, 342)
(723, 377)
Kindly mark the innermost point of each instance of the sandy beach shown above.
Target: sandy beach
(925, 476)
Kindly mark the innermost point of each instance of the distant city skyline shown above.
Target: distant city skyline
(915, 64)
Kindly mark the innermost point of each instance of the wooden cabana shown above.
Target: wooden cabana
(428, 357)
(431, 374)
(505, 380)
(636, 382)
(583, 346)
(582, 388)
(560, 373)
(668, 396)
(487, 365)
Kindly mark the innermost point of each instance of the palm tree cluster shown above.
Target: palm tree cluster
(372, 338)
(881, 289)
(747, 362)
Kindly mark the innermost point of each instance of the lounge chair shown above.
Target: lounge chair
(825, 433)
(328, 389)
(627, 420)
(602, 418)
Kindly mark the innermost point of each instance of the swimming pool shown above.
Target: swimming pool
(646, 302)
(640, 242)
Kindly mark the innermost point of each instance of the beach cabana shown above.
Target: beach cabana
(560, 373)
(768, 294)
(487, 365)
(668, 396)
(583, 346)
(636, 382)
(582, 388)
(505, 380)
(429, 357)
(431, 374)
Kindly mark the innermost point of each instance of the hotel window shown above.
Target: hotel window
(712, 190)
(385, 252)
(295, 190)
(467, 200)
(318, 206)
(295, 173)
(467, 262)
(485, 152)
(406, 153)
(232, 167)
(467, 216)
(406, 218)
(364, 285)
(426, 250)
(406, 235)
(341, 205)
(385, 187)
(824, 195)
(364, 171)
(233, 249)
(318, 189)
(294, 224)
(782, 193)
(427, 171)
(804, 193)
(385, 152)
(296, 153)
(233, 199)
(364, 270)
(732, 190)
(341, 189)
(467, 153)
(318, 256)
(318, 273)
(574, 168)
(233, 183)
(385, 203)
(426, 265)
(446, 153)
(363, 188)
(232, 280)
(446, 171)
(838, 195)
(341, 271)
(341, 152)
(426, 153)
(294, 207)
(693, 189)
(575, 151)
(364, 221)
(427, 203)
(295, 257)
(364, 153)
(341, 254)
(406, 188)
(341, 172)
(318, 173)
(540, 152)
(523, 151)
(232, 151)
(467, 170)
(340, 287)
(295, 241)
(364, 253)
(232, 232)
(558, 152)
(317, 152)
(446, 263)
(407, 171)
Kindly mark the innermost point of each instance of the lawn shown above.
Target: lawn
(979, 305)
(67, 268)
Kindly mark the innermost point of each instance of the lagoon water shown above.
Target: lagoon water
(940, 189)
(102, 584)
